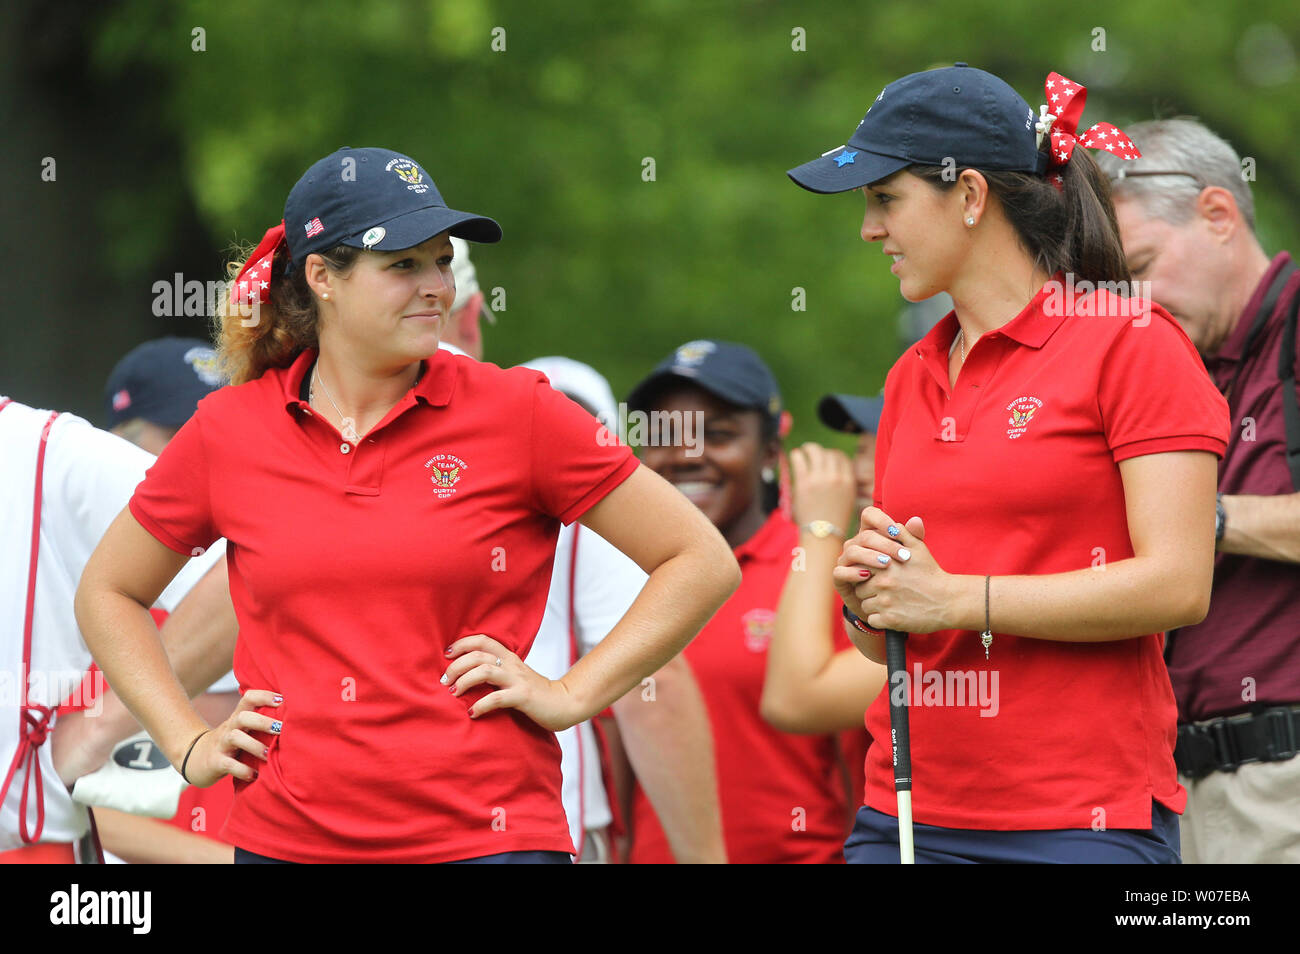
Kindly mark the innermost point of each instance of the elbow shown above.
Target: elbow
(778, 712)
(1195, 607)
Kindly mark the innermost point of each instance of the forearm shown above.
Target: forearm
(1264, 527)
(669, 743)
(801, 649)
(149, 841)
(124, 641)
(677, 600)
(1114, 601)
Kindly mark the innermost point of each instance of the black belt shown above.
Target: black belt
(1221, 745)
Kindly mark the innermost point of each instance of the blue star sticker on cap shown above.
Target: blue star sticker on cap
(845, 158)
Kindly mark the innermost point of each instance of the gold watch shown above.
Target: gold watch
(822, 529)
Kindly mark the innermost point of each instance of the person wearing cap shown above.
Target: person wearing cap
(1187, 218)
(155, 388)
(716, 418)
(662, 727)
(810, 686)
(150, 393)
(391, 511)
(62, 481)
(462, 334)
(980, 543)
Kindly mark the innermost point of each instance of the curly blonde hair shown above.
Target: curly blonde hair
(282, 327)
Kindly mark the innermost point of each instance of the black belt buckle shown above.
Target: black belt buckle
(1226, 755)
(1195, 752)
(1279, 735)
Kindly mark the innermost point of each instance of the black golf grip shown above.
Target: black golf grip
(896, 662)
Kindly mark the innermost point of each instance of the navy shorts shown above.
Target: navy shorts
(243, 857)
(875, 841)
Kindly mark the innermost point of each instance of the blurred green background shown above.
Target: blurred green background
(166, 154)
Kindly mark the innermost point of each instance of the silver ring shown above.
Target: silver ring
(498, 662)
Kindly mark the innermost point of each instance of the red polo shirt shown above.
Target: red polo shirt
(1015, 471)
(1253, 627)
(351, 570)
(782, 796)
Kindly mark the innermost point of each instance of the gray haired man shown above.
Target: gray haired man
(1187, 220)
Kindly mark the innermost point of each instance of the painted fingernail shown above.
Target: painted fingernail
(254, 775)
(864, 573)
(266, 752)
(443, 680)
(452, 690)
(904, 554)
(882, 559)
(278, 700)
(276, 726)
(893, 530)
(471, 713)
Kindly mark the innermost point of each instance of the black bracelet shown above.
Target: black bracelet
(190, 752)
(858, 624)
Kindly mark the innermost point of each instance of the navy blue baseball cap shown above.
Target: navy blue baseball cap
(161, 381)
(730, 371)
(372, 199)
(851, 413)
(957, 113)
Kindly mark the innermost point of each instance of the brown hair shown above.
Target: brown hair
(1072, 230)
(284, 326)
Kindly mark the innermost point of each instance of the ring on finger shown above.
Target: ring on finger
(498, 662)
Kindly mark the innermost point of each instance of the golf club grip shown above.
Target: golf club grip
(896, 662)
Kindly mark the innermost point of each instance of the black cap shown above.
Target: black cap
(372, 198)
(161, 381)
(851, 413)
(957, 113)
(730, 371)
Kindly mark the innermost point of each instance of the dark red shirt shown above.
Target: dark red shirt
(1249, 644)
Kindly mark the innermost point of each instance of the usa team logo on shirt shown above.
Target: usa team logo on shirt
(759, 625)
(445, 472)
(1022, 411)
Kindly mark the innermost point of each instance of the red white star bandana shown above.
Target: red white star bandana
(1065, 100)
(253, 283)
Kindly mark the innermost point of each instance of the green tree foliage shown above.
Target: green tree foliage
(550, 135)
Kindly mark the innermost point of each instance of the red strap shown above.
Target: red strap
(33, 719)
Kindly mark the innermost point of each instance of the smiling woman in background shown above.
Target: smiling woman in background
(784, 797)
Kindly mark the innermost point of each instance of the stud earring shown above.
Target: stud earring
(970, 220)
(326, 296)
(769, 475)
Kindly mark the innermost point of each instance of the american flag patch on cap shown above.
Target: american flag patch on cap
(314, 228)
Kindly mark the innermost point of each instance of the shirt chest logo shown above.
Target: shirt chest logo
(445, 472)
(1022, 411)
(758, 625)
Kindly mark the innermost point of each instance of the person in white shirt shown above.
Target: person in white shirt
(87, 477)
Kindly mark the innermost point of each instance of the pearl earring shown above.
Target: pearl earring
(970, 220)
(326, 296)
(769, 475)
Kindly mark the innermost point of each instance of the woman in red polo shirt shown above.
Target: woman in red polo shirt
(784, 798)
(1044, 495)
(391, 513)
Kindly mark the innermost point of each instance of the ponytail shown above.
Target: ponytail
(282, 327)
(1070, 230)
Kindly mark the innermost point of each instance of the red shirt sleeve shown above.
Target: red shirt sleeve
(576, 461)
(173, 500)
(1155, 394)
